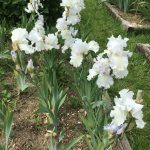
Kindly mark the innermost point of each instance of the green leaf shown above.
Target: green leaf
(61, 136)
(73, 142)
(52, 145)
(100, 146)
(16, 2)
(97, 104)
(21, 81)
(89, 143)
(5, 55)
(62, 101)
(21, 56)
(7, 126)
(2, 111)
(85, 122)
(1, 148)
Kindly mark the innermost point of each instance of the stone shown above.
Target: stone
(145, 49)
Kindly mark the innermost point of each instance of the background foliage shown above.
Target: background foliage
(138, 6)
(12, 10)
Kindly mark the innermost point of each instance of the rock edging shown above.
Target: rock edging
(128, 26)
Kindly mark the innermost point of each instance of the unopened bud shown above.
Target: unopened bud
(139, 97)
(30, 66)
(14, 56)
(18, 67)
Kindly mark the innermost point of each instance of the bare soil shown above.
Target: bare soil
(25, 135)
(29, 135)
(29, 132)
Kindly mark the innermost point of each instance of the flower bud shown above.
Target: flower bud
(139, 97)
(30, 66)
(14, 56)
(18, 67)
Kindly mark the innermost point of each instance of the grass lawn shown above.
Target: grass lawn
(102, 25)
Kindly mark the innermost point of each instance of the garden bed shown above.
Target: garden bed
(32, 130)
(28, 133)
(29, 128)
(129, 21)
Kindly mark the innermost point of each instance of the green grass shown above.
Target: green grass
(95, 18)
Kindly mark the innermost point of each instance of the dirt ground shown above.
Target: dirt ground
(29, 134)
(25, 135)
(29, 131)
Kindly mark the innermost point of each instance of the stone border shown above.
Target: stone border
(124, 144)
(144, 48)
(128, 26)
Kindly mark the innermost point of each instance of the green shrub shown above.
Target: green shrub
(12, 10)
(52, 10)
(124, 5)
(144, 10)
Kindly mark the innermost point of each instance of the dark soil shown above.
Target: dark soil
(27, 134)
(29, 131)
